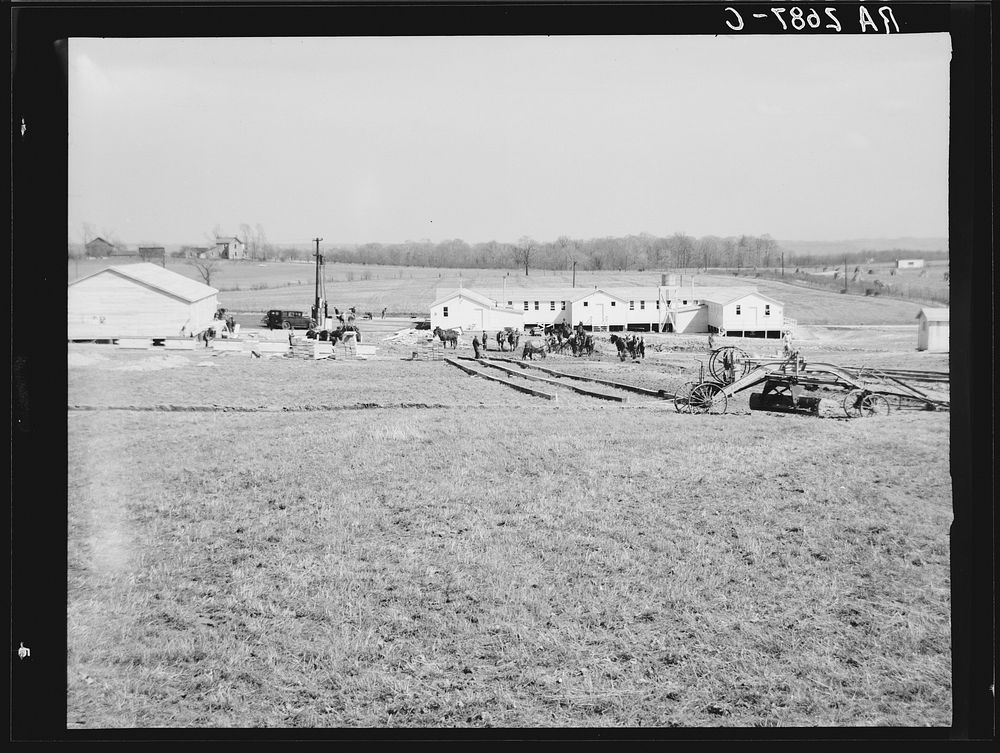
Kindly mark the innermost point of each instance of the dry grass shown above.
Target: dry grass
(523, 564)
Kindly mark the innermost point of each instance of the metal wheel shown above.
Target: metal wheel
(737, 357)
(708, 397)
(864, 404)
(286, 325)
(874, 405)
(682, 397)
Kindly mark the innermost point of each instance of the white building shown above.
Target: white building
(740, 312)
(932, 330)
(909, 263)
(230, 247)
(137, 300)
(473, 312)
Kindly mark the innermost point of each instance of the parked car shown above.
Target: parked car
(280, 319)
(423, 324)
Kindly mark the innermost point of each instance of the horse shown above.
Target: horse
(513, 338)
(447, 336)
(368, 315)
(619, 343)
(584, 345)
(532, 346)
(501, 339)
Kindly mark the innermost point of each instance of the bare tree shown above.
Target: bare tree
(206, 268)
(522, 251)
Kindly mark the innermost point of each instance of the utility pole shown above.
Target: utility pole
(845, 273)
(319, 307)
(574, 273)
(782, 263)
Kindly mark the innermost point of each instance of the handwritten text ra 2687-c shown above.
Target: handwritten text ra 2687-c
(797, 19)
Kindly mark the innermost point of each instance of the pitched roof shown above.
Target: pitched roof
(471, 295)
(935, 315)
(155, 276)
(724, 297)
(99, 239)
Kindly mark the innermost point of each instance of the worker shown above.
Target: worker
(475, 346)
(711, 341)
(383, 313)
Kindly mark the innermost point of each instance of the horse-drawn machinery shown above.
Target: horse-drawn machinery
(867, 392)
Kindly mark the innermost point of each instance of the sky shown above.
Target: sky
(389, 139)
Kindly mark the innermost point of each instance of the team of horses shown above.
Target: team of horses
(629, 347)
(557, 338)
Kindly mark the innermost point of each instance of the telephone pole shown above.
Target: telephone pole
(319, 307)
(782, 263)
(845, 273)
(574, 273)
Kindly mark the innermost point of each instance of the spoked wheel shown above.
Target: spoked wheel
(862, 404)
(729, 363)
(682, 397)
(708, 397)
(286, 325)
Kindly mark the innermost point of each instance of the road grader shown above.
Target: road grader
(867, 392)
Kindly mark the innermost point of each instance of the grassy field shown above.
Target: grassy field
(250, 287)
(490, 559)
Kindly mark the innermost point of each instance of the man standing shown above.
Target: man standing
(475, 346)
(383, 313)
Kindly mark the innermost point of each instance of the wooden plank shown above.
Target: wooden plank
(606, 382)
(581, 390)
(518, 387)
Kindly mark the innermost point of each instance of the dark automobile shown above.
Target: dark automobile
(279, 319)
(425, 324)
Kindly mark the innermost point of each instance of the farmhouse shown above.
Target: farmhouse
(138, 300)
(229, 248)
(741, 312)
(100, 248)
(909, 263)
(932, 330)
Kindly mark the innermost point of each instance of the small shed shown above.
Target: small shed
(100, 248)
(599, 309)
(909, 263)
(472, 311)
(153, 253)
(932, 330)
(138, 300)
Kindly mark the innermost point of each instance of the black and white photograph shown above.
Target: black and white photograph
(513, 381)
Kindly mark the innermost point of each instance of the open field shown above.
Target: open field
(482, 558)
(252, 287)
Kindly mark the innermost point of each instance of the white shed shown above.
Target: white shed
(909, 263)
(932, 330)
(472, 311)
(745, 315)
(137, 300)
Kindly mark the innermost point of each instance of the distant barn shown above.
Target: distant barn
(909, 263)
(932, 330)
(138, 300)
(100, 248)
(153, 253)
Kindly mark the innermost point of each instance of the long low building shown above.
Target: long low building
(138, 300)
(739, 312)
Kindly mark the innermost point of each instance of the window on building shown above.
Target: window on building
(612, 303)
(585, 303)
(525, 305)
(552, 305)
(510, 303)
(563, 305)
(767, 309)
(536, 305)
(657, 304)
(631, 305)
(642, 305)
(684, 303)
(737, 309)
(445, 311)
